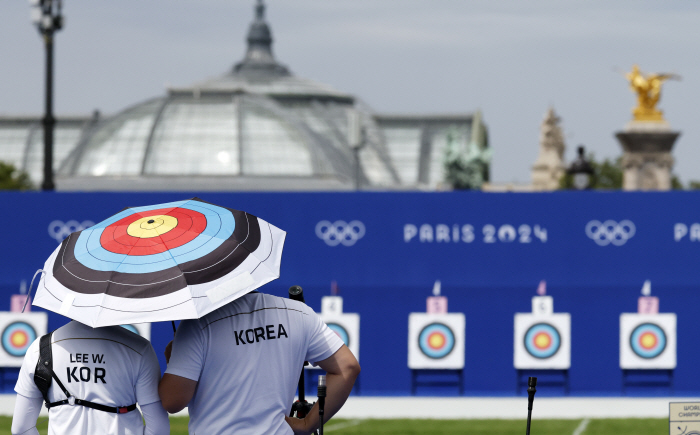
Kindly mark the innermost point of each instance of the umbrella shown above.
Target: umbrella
(178, 260)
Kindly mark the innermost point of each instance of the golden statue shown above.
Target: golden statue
(648, 89)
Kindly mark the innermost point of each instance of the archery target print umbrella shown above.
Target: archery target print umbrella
(179, 260)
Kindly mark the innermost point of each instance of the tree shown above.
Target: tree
(13, 179)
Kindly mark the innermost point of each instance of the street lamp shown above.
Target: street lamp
(581, 170)
(356, 139)
(46, 15)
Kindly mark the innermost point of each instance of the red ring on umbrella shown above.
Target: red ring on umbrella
(190, 224)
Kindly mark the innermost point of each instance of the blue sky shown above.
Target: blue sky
(511, 59)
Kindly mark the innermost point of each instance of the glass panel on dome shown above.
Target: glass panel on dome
(65, 138)
(403, 144)
(13, 140)
(119, 144)
(196, 137)
(271, 146)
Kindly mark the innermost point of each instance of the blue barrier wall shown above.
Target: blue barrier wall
(489, 250)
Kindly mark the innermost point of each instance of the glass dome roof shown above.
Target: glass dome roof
(256, 121)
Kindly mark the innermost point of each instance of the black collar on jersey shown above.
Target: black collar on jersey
(44, 373)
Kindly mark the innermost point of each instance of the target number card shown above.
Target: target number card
(542, 341)
(648, 305)
(436, 341)
(332, 305)
(142, 329)
(436, 305)
(19, 330)
(542, 305)
(647, 341)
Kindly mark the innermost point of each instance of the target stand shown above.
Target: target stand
(436, 350)
(647, 350)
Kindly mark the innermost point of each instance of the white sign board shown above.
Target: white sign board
(142, 329)
(19, 330)
(647, 341)
(542, 341)
(436, 341)
(684, 418)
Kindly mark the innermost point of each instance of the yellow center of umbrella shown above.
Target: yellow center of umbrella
(151, 226)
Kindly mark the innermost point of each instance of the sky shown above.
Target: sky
(510, 59)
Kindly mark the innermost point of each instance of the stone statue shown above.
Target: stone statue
(549, 166)
(648, 90)
(468, 168)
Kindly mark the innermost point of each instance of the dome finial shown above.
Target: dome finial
(260, 10)
(259, 58)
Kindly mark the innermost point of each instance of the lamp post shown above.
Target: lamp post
(46, 15)
(356, 139)
(581, 170)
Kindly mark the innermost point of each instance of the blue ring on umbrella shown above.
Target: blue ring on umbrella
(131, 328)
(220, 226)
(436, 328)
(554, 343)
(7, 337)
(654, 329)
(341, 331)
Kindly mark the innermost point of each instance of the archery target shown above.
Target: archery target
(647, 341)
(142, 329)
(542, 341)
(347, 327)
(340, 332)
(18, 331)
(436, 341)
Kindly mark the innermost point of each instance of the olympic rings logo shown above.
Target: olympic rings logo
(340, 232)
(610, 232)
(59, 230)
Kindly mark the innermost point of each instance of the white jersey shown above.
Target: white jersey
(110, 366)
(246, 358)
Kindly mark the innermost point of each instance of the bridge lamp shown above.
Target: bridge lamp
(581, 170)
(46, 16)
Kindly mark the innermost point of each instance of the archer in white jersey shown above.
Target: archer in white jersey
(107, 370)
(238, 366)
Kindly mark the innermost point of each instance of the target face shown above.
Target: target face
(648, 340)
(341, 332)
(436, 340)
(542, 340)
(173, 245)
(17, 337)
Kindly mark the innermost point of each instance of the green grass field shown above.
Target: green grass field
(178, 426)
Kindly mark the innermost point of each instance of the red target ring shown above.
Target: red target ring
(188, 225)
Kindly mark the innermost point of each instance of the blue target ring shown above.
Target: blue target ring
(648, 340)
(436, 340)
(17, 337)
(131, 328)
(220, 226)
(542, 340)
(341, 332)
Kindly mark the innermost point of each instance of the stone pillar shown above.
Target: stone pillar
(646, 160)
